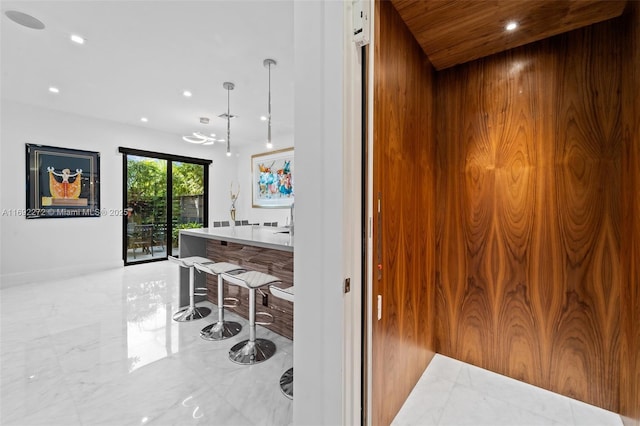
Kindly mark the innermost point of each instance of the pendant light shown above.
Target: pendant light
(229, 86)
(199, 138)
(268, 63)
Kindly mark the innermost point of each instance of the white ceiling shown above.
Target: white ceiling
(140, 56)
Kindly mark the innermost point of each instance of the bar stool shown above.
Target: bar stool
(286, 380)
(191, 312)
(252, 350)
(221, 329)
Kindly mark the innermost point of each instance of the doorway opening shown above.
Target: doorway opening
(162, 194)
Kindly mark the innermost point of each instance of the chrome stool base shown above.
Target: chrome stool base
(247, 353)
(191, 313)
(286, 383)
(220, 330)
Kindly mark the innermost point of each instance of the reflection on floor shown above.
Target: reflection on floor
(154, 253)
(102, 349)
(451, 392)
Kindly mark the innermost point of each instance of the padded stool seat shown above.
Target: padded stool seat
(191, 312)
(221, 329)
(252, 350)
(187, 262)
(282, 293)
(286, 380)
(252, 279)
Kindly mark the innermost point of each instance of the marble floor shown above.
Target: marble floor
(102, 349)
(454, 393)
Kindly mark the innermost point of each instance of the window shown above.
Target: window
(162, 194)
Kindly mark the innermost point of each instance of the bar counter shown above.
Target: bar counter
(258, 236)
(259, 248)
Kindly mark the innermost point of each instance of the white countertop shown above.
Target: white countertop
(259, 236)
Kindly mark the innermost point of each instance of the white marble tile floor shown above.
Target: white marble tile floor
(453, 393)
(102, 349)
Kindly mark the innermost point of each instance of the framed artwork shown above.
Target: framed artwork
(62, 182)
(272, 179)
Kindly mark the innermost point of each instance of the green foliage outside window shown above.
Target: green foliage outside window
(176, 230)
(147, 188)
(188, 179)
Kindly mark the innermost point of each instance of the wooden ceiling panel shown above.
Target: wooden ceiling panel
(453, 32)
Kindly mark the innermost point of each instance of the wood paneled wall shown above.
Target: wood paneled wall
(528, 243)
(630, 294)
(404, 174)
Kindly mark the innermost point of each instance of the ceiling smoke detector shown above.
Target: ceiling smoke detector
(204, 120)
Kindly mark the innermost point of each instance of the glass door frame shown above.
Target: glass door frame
(170, 158)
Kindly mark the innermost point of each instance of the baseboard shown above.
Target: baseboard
(28, 277)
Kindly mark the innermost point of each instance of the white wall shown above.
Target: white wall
(319, 252)
(67, 246)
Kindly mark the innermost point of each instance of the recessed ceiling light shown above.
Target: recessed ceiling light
(24, 20)
(511, 26)
(77, 39)
(186, 94)
(54, 89)
(213, 135)
(144, 119)
(263, 118)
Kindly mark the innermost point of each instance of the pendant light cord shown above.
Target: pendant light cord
(228, 121)
(267, 64)
(269, 131)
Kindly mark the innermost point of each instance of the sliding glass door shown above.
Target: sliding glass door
(187, 201)
(146, 207)
(161, 194)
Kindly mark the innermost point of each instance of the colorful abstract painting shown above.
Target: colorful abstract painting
(272, 179)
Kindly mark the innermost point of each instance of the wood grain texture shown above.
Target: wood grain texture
(529, 218)
(273, 262)
(403, 340)
(630, 296)
(455, 32)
